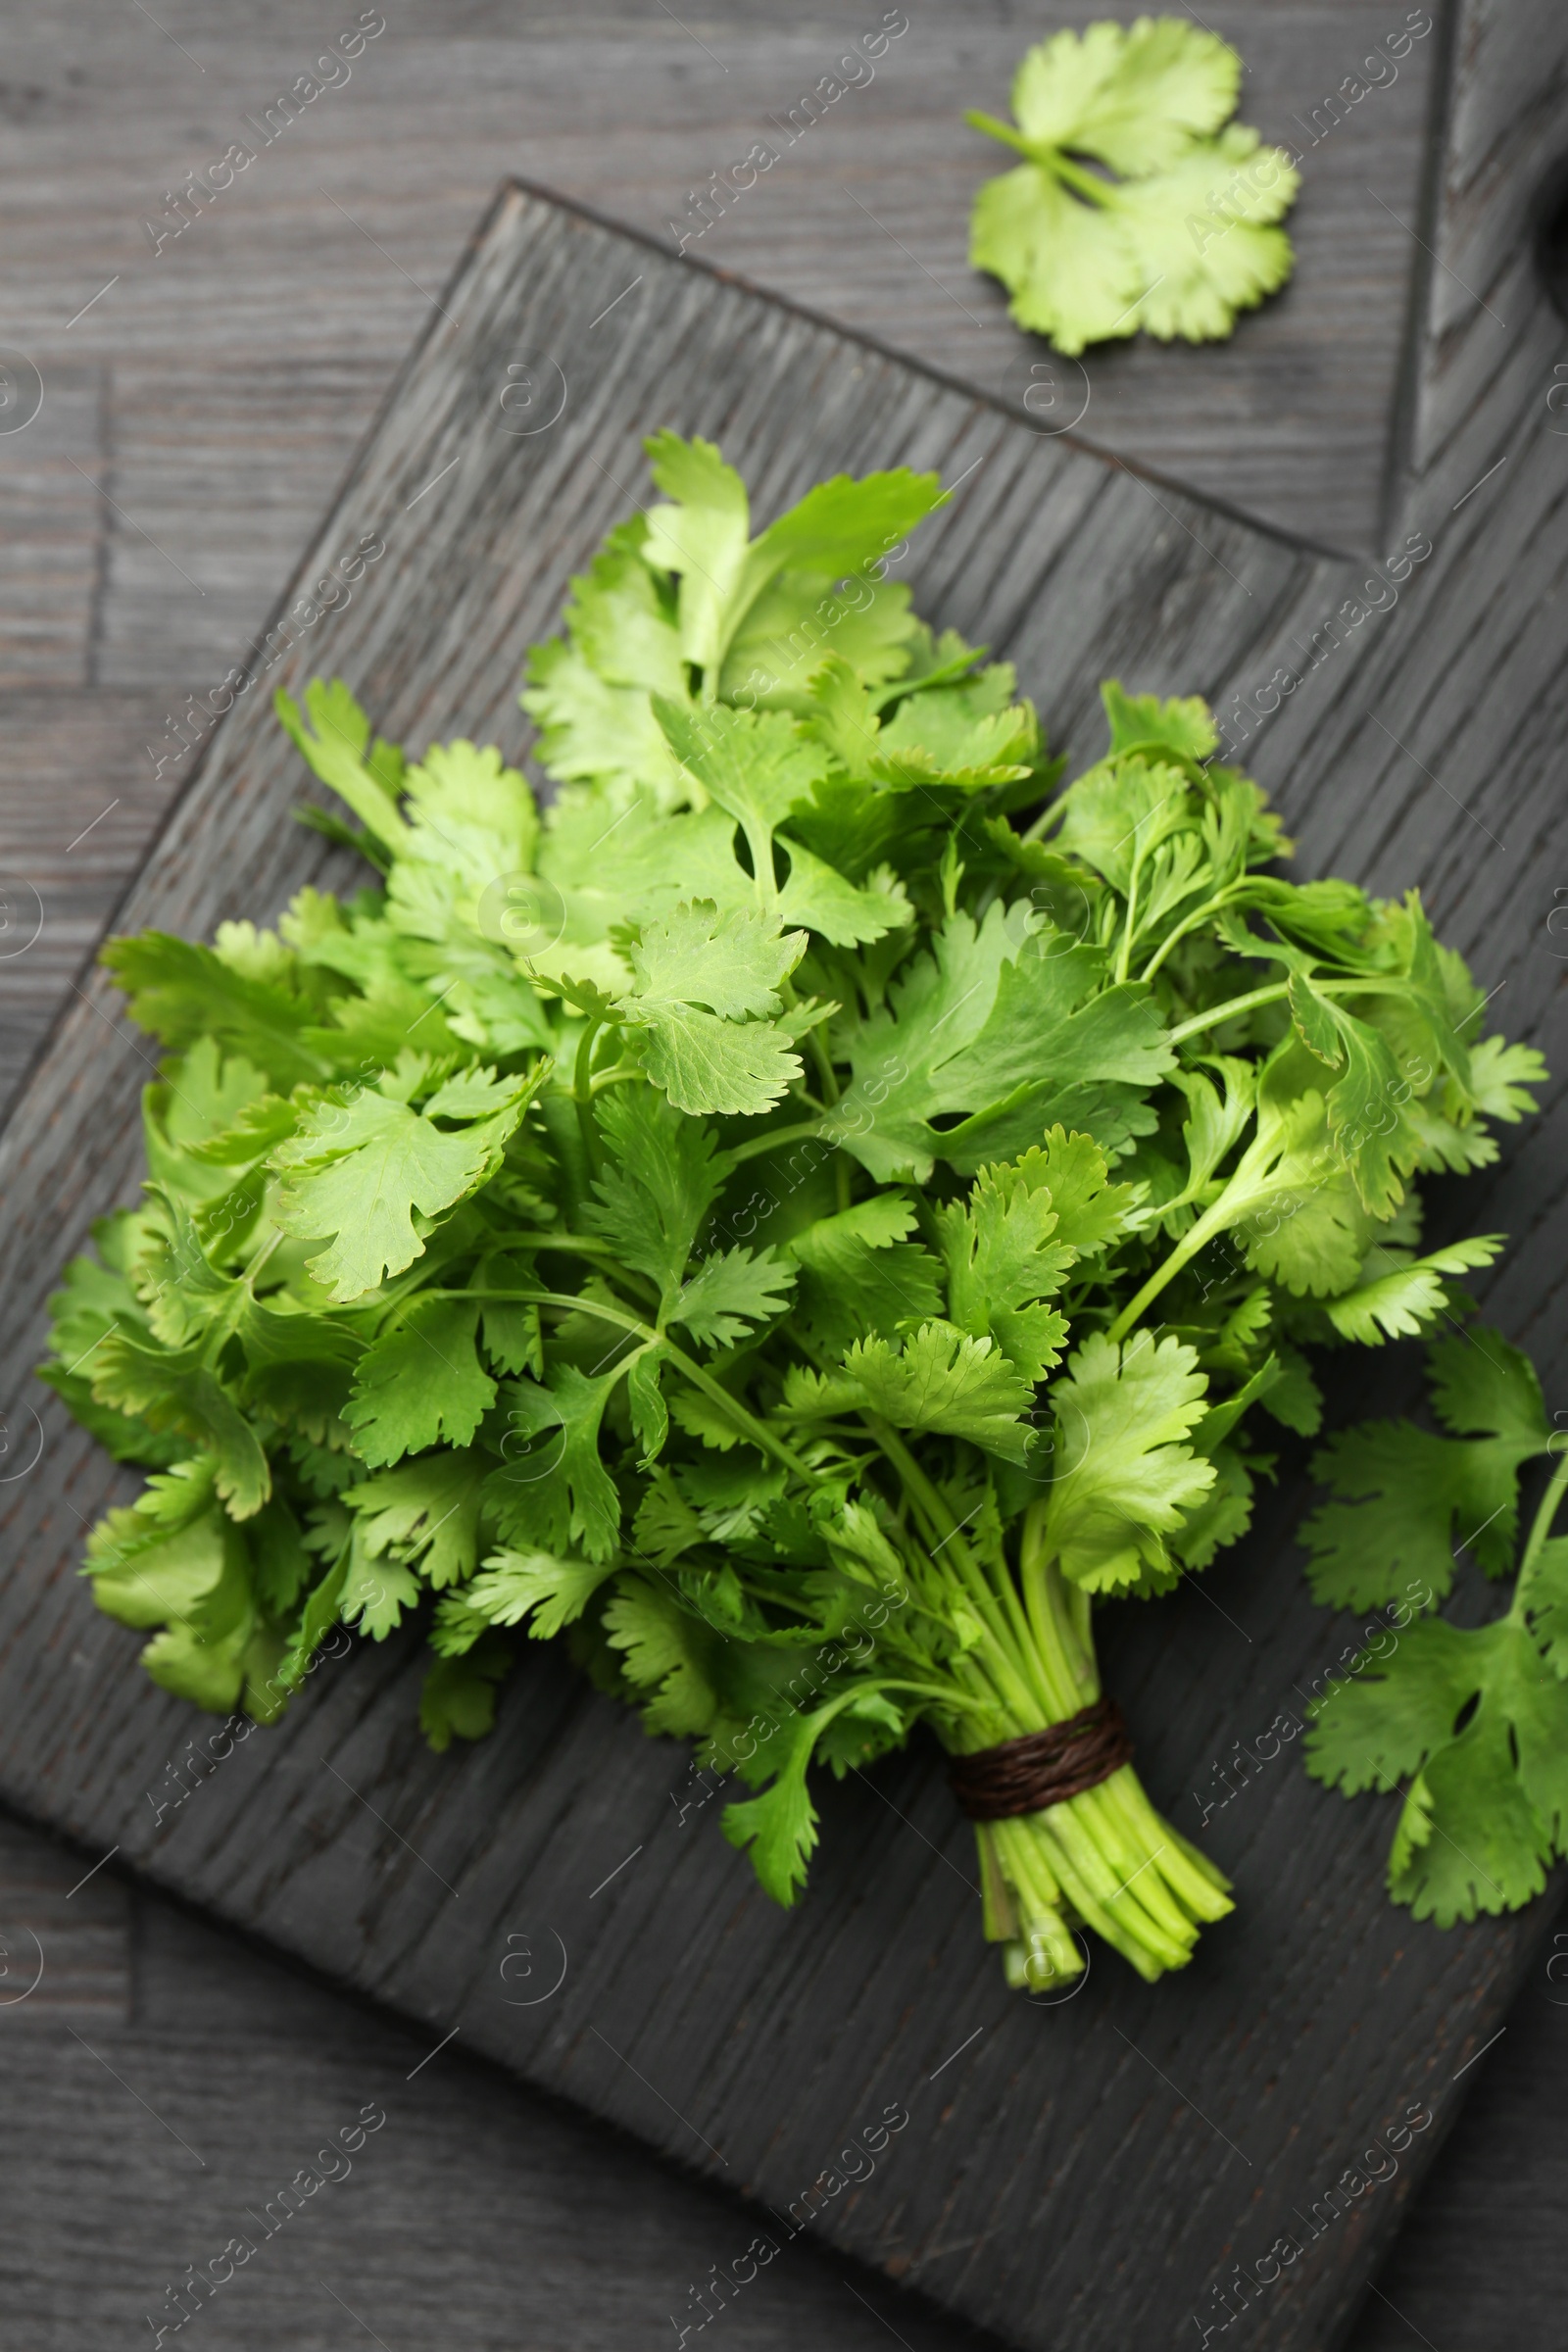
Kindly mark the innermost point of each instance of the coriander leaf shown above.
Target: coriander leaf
(732, 964)
(1133, 98)
(1205, 237)
(1002, 1261)
(1125, 1478)
(666, 1654)
(1482, 1387)
(158, 1559)
(555, 1490)
(458, 1698)
(1143, 722)
(183, 992)
(1181, 238)
(1399, 1304)
(939, 1379)
(1406, 1500)
(847, 916)
(536, 1586)
(358, 1171)
(376, 1594)
(173, 1389)
(861, 1275)
(1544, 1597)
(728, 1291)
(778, 1828)
(703, 1064)
(420, 1383)
(1479, 1724)
(756, 765)
(703, 536)
(339, 753)
(425, 1516)
(663, 1178)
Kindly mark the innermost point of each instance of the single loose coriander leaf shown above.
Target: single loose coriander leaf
(1174, 231)
(1478, 1725)
(1405, 1499)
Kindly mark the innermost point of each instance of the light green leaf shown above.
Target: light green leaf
(1123, 1478)
(1402, 1302)
(535, 1585)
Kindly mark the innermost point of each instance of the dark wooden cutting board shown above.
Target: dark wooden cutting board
(1085, 2172)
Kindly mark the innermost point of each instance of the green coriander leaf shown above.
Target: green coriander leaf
(1181, 238)
(535, 1585)
(732, 964)
(728, 1291)
(1479, 1724)
(939, 1379)
(1543, 1596)
(339, 752)
(358, 1172)
(375, 1595)
(860, 1275)
(1408, 1500)
(1482, 1387)
(173, 1389)
(1124, 1478)
(1135, 99)
(1002, 1261)
(666, 1656)
(1399, 1304)
(458, 1698)
(425, 1516)
(778, 1828)
(555, 1491)
(181, 993)
(662, 1177)
(420, 1384)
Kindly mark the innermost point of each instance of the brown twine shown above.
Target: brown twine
(1043, 1768)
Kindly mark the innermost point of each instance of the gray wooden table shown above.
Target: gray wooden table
(198, 414)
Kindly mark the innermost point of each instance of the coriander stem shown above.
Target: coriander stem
(1273, 994)
(1368, 984)
(1188, 924)
(756, 1432)
(995, 130)
(582, 1091)
(775, 1137)
(1541, 1529)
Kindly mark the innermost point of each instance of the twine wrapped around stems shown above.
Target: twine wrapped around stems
(1043, 1768)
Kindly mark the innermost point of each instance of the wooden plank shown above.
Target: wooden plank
(51, 519)
(479, 2214)
(323, 244)
(81, 803)
(738, 2039)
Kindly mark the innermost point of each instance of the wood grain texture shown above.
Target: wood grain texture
(81, 803)
(740, 2040)
(322, 246)
(175, 2079)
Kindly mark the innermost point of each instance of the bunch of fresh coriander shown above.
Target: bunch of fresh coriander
(810, 1212)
